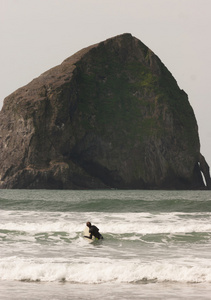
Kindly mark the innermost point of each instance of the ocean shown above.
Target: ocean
(157, 245)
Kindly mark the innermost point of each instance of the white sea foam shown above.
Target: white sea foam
(140, 223)
(42, 227)
(103, 271)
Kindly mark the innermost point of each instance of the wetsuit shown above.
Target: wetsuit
(93, 230)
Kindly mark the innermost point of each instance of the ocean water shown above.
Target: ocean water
(157, 245)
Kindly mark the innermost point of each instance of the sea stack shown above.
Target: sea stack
(110, 116)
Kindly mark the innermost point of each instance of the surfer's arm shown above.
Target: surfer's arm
(88, 237)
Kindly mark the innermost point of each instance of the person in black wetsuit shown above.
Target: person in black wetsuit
(94, 231)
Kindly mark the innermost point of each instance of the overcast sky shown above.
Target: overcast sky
(39, 34)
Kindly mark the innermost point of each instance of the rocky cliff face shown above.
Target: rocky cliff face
(110, 116)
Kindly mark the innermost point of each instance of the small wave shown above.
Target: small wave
(102, 272)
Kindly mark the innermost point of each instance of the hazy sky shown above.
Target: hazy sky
(39, 34)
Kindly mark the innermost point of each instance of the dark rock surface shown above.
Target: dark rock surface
(110, 116)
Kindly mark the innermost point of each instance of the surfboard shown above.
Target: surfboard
(86, 234)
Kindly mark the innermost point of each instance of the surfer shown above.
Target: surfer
(94, 231)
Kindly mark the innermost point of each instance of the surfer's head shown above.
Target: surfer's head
(88, 224)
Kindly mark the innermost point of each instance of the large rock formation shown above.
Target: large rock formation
(110, 116)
